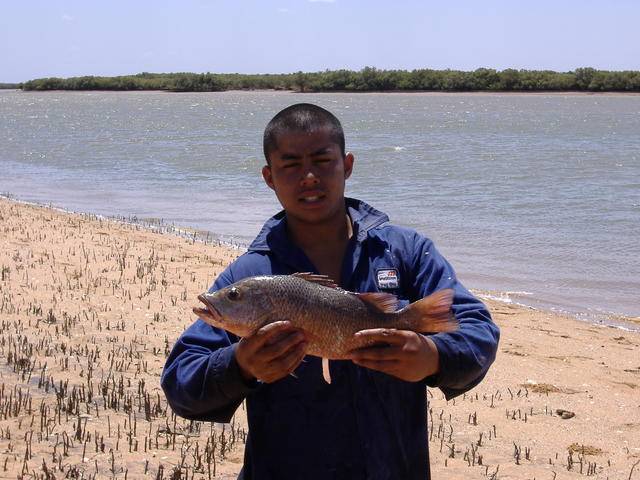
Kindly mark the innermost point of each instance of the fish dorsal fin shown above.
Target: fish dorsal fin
(316, 278)
(385, 302)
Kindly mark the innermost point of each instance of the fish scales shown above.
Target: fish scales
(328, 315)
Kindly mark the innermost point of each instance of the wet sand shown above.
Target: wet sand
(89, 310)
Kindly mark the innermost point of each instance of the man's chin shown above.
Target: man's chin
(309, 217)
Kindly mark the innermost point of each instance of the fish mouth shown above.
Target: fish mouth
(212, 310)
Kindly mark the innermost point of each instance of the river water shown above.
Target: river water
(534, 198)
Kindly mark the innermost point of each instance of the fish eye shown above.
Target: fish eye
(234, 294)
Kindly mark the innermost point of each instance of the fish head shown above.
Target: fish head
(241, 308)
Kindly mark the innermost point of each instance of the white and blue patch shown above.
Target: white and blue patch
(388, 278)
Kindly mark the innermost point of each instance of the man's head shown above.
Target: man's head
(306, 164)
(301, 118)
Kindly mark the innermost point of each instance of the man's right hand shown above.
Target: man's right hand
(273, 352)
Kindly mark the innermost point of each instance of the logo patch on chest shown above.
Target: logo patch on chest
(388, 278)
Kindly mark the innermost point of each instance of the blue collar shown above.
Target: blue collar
(273, 236)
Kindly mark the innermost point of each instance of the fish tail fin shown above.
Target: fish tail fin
(433, 313)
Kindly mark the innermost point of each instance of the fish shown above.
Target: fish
(328, 315)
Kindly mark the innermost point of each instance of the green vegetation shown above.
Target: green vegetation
(367, 79)
(10, 86)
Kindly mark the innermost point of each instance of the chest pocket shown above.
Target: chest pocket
(387, 275)
(380, 269)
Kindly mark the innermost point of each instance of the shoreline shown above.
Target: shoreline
(623, 322)
(568, 93)
(91, 307)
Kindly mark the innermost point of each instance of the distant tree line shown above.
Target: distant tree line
(366, 80)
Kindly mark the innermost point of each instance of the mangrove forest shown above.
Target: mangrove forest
(368, 79)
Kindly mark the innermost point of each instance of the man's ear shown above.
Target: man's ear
(348, 164)
(268, 178)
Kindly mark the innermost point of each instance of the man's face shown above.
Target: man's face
(308, 172)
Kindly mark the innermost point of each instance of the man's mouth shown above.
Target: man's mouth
(311, 197)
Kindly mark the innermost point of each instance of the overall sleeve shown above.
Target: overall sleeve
(201, 378)
(467, 353)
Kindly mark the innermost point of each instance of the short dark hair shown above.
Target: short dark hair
(301, 117)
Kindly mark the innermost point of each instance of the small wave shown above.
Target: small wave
(519, 294)
(527, 300)
(497, 298)
(505, 297)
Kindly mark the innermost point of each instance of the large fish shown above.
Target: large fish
(328, 315)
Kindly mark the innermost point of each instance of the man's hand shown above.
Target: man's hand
(273, 352)
(402, 353)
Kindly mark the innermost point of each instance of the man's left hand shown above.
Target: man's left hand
(404, 354)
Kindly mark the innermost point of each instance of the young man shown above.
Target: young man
(370, 422)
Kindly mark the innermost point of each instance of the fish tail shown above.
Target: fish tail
(433, 313)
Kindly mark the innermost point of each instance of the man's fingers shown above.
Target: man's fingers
(389, 336)
(281, 345)
(382, 344)
(279, 332)
(266, 346)
(376, 353)
(389, 367)
(381, 365)
(273, 352)
(290, 361)
(282, 366)
(272, 328)
(270, 334)
(408, 355)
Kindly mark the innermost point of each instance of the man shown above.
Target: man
(370, 422)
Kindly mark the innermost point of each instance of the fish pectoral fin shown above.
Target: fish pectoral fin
(316, 278)
(385, 302)
(326, 373)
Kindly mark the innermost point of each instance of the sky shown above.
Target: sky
(67, 38)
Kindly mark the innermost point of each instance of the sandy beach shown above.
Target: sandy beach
(90, 308)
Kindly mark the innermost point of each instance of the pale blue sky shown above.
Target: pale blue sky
(68, 38)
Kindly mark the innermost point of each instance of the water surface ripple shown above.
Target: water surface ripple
(537, 194)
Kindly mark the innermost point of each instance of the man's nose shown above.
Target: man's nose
(309, 176)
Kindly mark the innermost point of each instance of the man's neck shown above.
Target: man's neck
(324, 244)
(317, 235)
